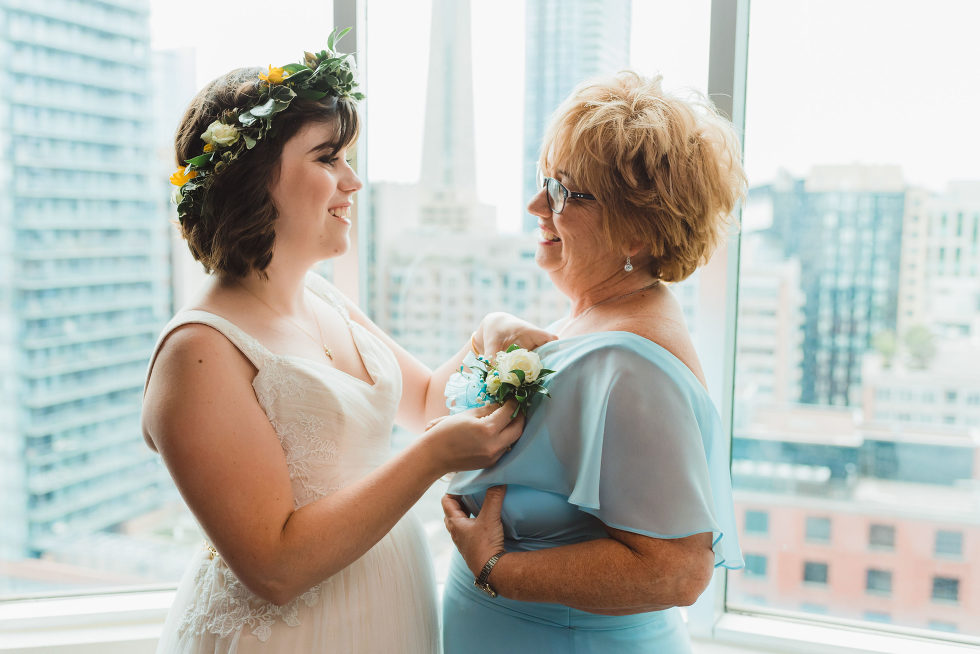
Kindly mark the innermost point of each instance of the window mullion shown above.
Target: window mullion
(718, 288)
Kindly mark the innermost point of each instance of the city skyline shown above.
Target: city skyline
(790, 72)
(431, 285)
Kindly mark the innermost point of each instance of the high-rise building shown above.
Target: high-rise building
(85, 284)
(844, 225)
(858, 520)
(941, 394)
(438, 290)
(568, 42)
(448, 185)
(437, 267)
(953, 260)
(769, 348)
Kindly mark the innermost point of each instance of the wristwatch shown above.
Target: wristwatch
(481, 581)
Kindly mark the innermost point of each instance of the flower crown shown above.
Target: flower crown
(239, 130)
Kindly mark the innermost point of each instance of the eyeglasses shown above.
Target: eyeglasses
(557, 193)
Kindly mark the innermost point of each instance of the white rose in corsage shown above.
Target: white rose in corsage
(218, 133)
(515, 373)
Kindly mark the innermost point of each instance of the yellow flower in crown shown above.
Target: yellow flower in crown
(182, 176)
(274, 76)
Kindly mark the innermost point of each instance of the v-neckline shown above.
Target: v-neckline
(295, 357)
(323, 364)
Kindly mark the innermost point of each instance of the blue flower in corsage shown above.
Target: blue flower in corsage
(515, 373)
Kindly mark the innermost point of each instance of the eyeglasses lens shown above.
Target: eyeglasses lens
(556, 196)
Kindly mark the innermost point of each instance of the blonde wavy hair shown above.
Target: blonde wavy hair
(666, 171)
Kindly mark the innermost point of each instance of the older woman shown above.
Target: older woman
(618, 499)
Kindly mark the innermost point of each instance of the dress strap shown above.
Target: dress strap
(254, 351)
(326, 292)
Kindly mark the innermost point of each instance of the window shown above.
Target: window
(949, 543)
(815, 573)
(755, 565)
(882, 537)
(879, 582)
(433, 191)
(757, 522)
(818, 530)
(872, 320)
(802, 455)
(945, 589)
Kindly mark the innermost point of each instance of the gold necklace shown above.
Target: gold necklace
(326, 350)
(608, 299)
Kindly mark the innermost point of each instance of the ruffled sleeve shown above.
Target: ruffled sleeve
(641, 446)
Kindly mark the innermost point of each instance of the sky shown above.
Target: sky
(829, 81)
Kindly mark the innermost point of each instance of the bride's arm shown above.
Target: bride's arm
(422, 388)
(201, 414)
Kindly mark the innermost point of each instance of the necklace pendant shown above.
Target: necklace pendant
(326, 350)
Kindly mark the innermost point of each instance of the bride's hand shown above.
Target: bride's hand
(479, 538)
(473, 439)
(498, 331)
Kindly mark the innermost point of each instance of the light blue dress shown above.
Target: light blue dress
(629, 439)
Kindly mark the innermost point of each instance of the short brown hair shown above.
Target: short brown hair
(239, 234)
(666, 171)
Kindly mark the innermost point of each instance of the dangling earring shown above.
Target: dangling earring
(628, 267)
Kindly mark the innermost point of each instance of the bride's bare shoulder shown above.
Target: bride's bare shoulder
(194, 360)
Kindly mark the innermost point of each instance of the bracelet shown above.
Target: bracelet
(482, 582)
(473, 344)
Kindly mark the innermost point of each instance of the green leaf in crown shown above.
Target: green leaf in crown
(318, 75)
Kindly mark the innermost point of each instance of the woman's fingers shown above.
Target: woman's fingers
(452, 508)
(434, 422)
(493, 503)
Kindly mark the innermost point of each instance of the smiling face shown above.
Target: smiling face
(572, 247)
(313, 195)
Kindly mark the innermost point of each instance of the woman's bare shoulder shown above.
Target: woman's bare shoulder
(193, 360)
(662, 321)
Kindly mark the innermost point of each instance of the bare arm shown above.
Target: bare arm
(422, 388)
(201, 414)
(623, 574)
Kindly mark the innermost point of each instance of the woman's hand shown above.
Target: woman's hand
(473, 439)
(498, 331)
(479, 538)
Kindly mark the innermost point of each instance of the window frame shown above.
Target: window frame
(131, 622)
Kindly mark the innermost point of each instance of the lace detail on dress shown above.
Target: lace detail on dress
(223, 605)
(306, 450)
(280, 382)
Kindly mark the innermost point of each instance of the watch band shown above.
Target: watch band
(482, 582)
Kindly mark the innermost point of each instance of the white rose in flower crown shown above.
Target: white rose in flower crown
(218, 133)
(527, 362)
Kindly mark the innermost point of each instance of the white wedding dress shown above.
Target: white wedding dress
(334, 429)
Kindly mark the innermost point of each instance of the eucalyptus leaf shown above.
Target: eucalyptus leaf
(292, 69)
(282, 93)
(267, 108)
(311, 94)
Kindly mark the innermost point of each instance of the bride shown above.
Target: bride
(272, 399)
